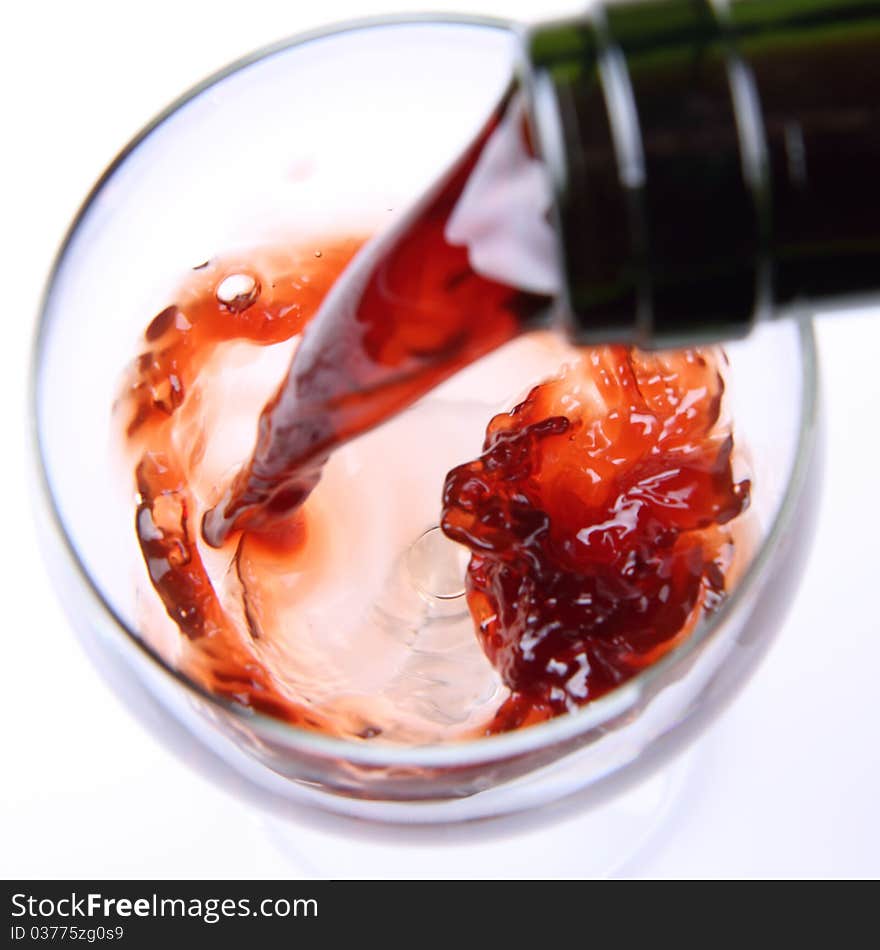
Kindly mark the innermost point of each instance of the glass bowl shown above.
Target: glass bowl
(378, 108)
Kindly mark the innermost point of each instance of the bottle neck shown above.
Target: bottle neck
(714, 163)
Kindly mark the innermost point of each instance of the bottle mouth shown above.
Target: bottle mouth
(587, 134)
(649, 128)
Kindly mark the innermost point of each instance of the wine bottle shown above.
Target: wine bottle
(714, 163)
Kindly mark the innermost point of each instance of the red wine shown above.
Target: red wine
(599, 515)
(596, 517)
(412, 310)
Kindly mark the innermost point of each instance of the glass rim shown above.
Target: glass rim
(445, 755)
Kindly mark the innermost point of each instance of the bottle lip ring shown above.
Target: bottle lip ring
(545, 109)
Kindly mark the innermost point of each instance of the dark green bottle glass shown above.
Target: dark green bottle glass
(715, 163)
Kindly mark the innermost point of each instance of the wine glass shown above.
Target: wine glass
(340, 130)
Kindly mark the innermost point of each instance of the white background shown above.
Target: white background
(787, 783)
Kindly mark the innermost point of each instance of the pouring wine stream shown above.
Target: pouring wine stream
(467, 269)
